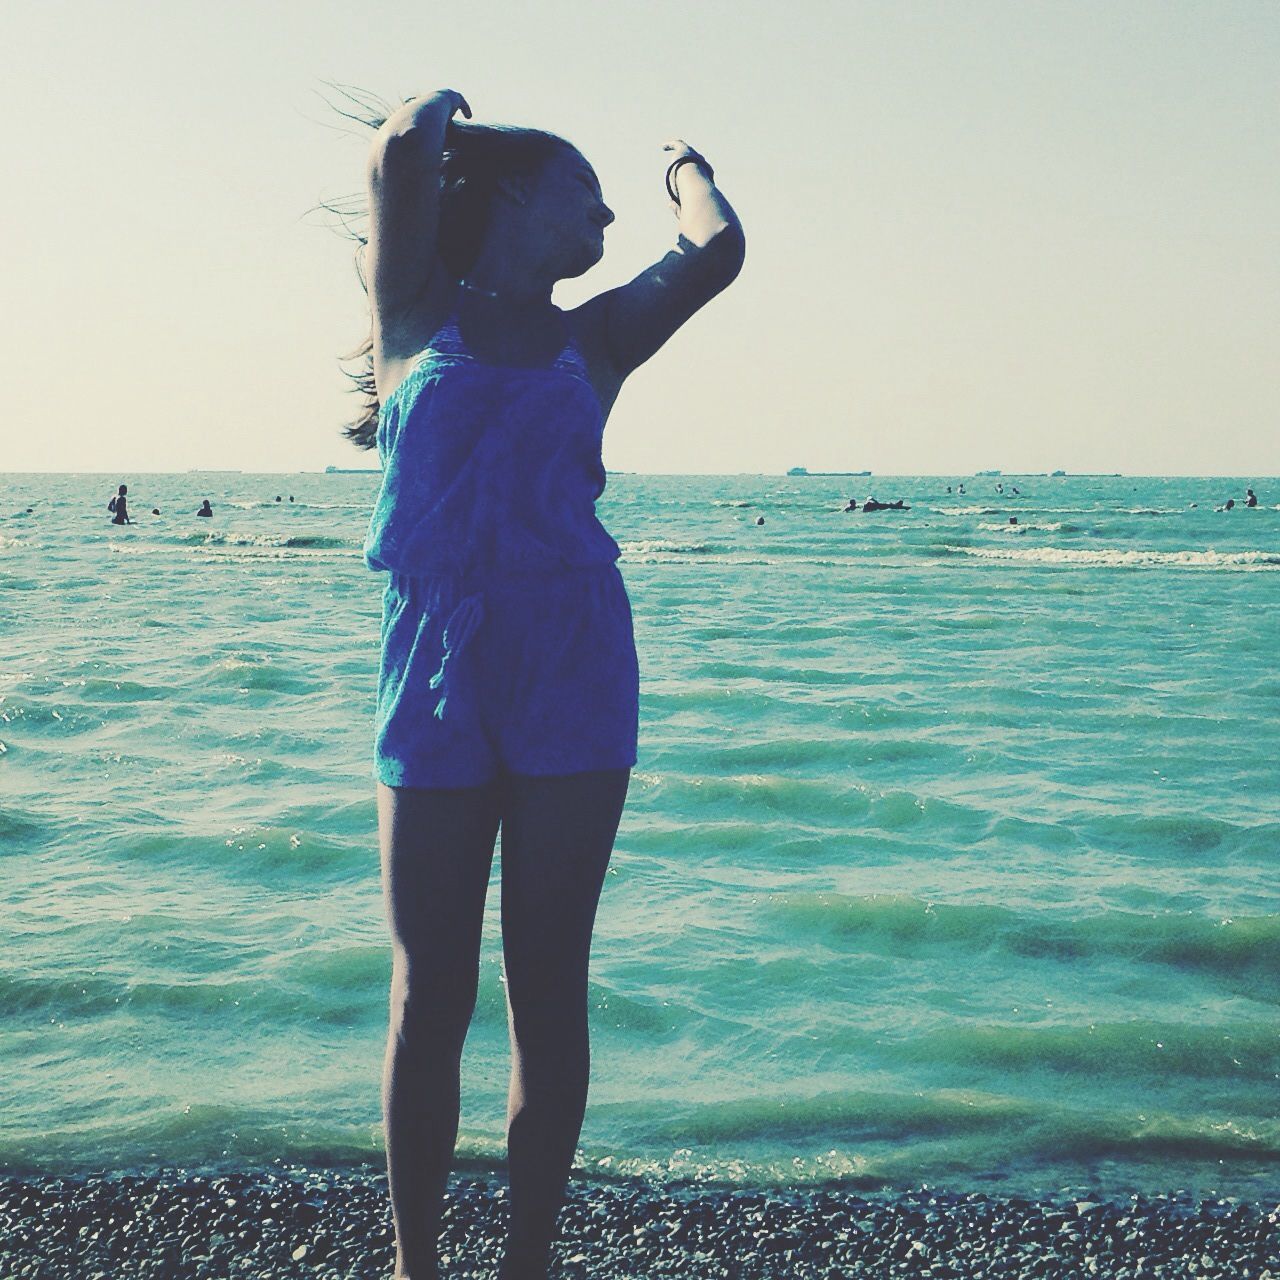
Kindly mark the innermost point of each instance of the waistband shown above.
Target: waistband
(466, 589)
(477, 578)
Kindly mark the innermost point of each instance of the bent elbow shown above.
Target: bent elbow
(404, 148)
(729, 249)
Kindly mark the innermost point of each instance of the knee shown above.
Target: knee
(548, 1023)
(430, 1013)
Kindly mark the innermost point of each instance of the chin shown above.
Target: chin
(584, 261)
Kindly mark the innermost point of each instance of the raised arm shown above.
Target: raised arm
(404, 201)
(710, 248)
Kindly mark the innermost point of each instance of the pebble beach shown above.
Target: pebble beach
(288, 1222)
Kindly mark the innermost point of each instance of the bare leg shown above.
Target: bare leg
(557, 837)
(437, 851)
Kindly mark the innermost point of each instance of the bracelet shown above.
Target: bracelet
(693, 157)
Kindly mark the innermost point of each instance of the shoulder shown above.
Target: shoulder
(399, 335)
(631, 322)
(397, 339)
(586, 325)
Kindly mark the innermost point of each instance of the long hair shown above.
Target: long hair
(475, 157)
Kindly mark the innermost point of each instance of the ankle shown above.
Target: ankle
(523, 1263)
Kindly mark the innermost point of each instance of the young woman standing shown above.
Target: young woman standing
(508, 687)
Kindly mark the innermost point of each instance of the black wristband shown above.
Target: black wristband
(691, 158)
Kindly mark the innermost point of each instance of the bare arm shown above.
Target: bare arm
(404, 201)
(710, 249)
(703, 210)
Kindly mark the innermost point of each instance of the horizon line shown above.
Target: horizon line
(783, 475)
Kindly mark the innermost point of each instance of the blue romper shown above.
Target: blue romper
(507, 640)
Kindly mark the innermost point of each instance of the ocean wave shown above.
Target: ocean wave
(1136, 1049)
(241, 505)
(1051, 526)
(307, 541)
(1116, 557)
(648, 546)
(1241, 951)
(275, 553)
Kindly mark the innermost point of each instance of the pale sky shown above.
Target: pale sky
(980, 233)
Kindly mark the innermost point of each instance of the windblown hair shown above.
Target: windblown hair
(475, 157)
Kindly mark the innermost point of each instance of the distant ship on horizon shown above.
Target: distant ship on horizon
(350, 471)
(804, 471)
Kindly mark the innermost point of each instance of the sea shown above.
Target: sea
(951, 857)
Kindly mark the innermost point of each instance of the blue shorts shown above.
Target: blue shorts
(519, 672)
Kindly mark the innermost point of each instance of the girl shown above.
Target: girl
(508, 686)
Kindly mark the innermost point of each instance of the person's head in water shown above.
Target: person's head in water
(122, 490)
(520, 208)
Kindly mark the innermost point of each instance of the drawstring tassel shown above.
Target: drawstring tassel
(461, 626)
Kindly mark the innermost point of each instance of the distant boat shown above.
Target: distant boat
(350, 471)
(1057, 473)
(986, 473)
(804, 471)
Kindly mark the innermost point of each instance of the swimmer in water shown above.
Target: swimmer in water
(1250, 498)
(206, 509)
(120, 505)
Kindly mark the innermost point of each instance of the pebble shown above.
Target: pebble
(335, 1224)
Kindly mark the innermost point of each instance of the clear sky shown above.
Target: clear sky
(980, 233)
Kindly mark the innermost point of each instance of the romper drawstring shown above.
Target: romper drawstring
(463, 621)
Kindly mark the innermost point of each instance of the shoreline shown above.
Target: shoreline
(268, 1222)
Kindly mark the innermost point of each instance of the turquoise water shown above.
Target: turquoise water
(950, 855)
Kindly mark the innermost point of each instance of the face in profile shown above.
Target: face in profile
(567, 213)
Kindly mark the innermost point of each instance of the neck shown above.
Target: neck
(499, 291)
(514, 281)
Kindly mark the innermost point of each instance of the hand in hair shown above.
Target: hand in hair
(435, 109)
